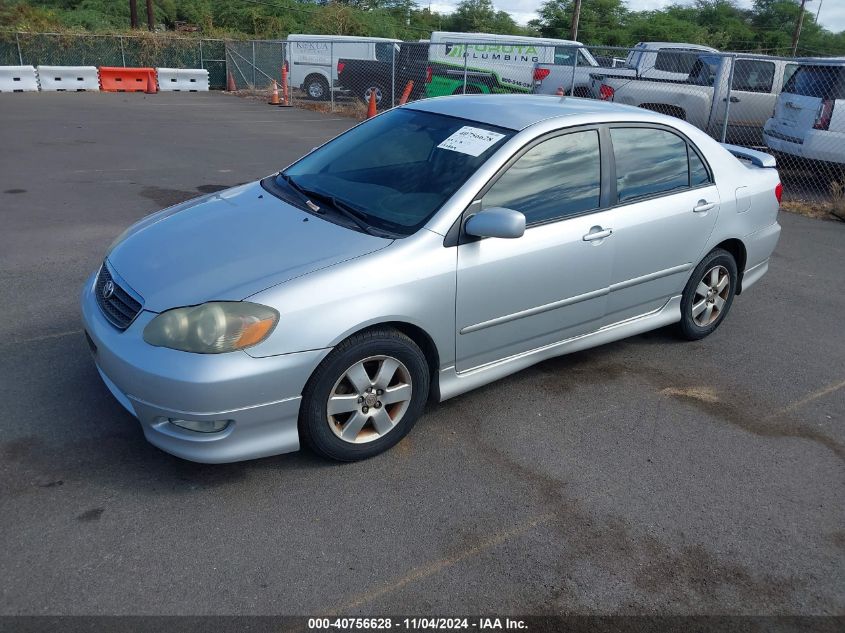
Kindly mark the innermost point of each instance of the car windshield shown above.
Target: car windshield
(395, 171)
(825, 82)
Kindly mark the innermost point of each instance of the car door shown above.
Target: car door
(751, 100)
(665, 211)
(514, 295)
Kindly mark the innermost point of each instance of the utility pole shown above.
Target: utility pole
(151, 16)
(797, 33)
(133, 13)
(576, 15)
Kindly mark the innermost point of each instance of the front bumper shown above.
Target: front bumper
(260, 396)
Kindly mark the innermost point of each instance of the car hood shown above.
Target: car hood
(228, 246)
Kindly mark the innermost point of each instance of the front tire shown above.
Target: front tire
(365, 396)
(708, 295)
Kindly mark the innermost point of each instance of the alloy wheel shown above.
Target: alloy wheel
(711, 295)
(369, 399)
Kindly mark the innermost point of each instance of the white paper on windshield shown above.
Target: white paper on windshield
(471, 140)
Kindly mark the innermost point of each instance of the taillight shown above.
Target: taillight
(606, 93)
(340, 67)
(428, 74)
(779, 192)
(541, 73)
(824, 116)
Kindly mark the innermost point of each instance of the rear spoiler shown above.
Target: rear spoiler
(760, 159)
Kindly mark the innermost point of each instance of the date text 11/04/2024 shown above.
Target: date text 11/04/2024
(416, 623)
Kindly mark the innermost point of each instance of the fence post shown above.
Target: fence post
(574, 67)
(392, 76)
(18, 44)
(332, 71)
(202, 61)
(122, 53)
(253, 64)
(728, 98)
(465, 67)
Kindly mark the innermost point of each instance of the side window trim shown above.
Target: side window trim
(653, 126)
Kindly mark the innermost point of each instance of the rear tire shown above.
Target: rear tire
(365, 396)
(708, 295)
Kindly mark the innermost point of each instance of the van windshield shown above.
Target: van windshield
(395, 171)
(825, 82)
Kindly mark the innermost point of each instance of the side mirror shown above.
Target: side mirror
(496, 222)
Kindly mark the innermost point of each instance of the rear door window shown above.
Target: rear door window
(651, 162)
(751, 75)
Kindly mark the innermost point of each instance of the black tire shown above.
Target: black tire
(317, 88)
(696, 326)
(321, 433)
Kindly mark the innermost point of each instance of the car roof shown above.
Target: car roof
(517, 112)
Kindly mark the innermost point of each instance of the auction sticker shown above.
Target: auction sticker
(471, 140)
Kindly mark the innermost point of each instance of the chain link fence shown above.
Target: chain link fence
(58, 49)
(793, 108)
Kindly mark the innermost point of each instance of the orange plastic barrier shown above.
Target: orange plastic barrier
(117, 79)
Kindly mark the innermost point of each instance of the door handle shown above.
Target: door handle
(597, 233)
(703, 206)
(733, 99)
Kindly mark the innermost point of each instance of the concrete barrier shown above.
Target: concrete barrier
(68, 78)
(182, 79)
(18, 79)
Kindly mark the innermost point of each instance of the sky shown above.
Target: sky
(831, 17)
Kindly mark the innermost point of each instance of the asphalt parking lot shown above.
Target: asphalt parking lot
(645, 476)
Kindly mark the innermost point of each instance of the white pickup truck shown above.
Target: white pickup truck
(702, 98)
(658, 60)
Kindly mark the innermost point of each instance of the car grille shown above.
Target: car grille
(121, 306)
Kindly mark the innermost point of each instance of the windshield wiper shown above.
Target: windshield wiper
(341, 207)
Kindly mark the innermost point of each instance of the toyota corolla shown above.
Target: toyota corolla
(430, 250)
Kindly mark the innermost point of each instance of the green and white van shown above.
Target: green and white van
(495, 63)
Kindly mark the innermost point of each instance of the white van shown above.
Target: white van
(495, 63)
(312, 59)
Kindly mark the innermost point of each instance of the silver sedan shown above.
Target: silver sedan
(426, 252)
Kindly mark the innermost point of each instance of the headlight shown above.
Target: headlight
(212, 328)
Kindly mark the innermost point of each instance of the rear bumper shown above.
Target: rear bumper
(820, 145)
(259, 397)
(759, 247)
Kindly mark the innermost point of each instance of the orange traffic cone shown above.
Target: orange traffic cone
(151, 84)
(406, 93)
(230, 83)
(274, 97)
(371, 108)
(559, 92)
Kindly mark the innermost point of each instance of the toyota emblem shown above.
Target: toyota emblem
(108, 289)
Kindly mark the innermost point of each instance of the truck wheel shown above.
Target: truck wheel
(381, 93)
(317, 88)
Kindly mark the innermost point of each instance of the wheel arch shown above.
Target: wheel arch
(421, 338)
(319, 76)
(737, 249)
